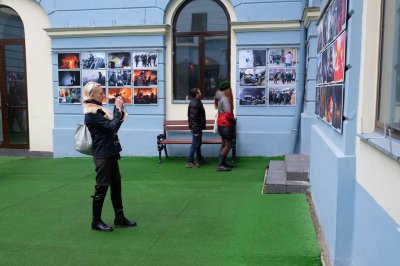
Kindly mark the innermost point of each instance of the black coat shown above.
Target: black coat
(104, 133)
(196, 115)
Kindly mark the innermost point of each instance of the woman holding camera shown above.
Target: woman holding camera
(103, 126)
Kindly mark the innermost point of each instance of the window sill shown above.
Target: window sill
(385, 144)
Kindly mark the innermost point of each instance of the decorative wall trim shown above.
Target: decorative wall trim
(108, 31)
(309, 14)
(265, 26)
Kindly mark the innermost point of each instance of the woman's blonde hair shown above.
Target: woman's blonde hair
(88, 90)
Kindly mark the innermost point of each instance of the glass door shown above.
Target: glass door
(14, 106)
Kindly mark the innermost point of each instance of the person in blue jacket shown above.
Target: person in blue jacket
(103, 126)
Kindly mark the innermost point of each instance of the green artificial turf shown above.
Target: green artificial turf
(185, 216)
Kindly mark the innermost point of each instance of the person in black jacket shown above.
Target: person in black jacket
(197, 122)
(103, 126)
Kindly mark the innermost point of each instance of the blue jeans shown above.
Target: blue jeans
(195, 147)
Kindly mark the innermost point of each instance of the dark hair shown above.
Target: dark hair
(193, 92)
(223, 85)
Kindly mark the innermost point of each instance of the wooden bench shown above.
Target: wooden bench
(181, 126)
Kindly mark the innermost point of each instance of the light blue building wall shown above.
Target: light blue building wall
(259, 128)
(357, 230)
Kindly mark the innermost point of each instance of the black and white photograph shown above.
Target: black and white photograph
(93, 60)
(69, 95)
(68, 61)
(246, 59)
(69, 78)
(282, 77)
(330, 63)
(253, 76)
(98, 76)
(259, 58)
(282, 96)
(252, 96)
(119, 60)
(119, 78)
(145, 59)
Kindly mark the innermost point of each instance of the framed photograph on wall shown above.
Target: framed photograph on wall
(339, 54)
(119, 60)
(145, 59)
(282, 96)
(98, 76)
(125, 93)
(328, 105)
(282, 77)
(253, 76)
(145, 95)
(119, 78)
(67, 95)
(69, 78)
(337, 111)
(317, 100)
(68, 61)
(93, 60)
(246, 59)
(252, 96)
(143, 77)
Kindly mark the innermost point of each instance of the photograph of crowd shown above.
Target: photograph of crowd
(252, 76)
(68, 61)
(143, 77)
(252, 96)
(285, 57)
(69, 78)
(332, 23)
(119, 60)
(98, 76)
(145, 59)
(69, 95)
(125, 93)
(95, 60)
(278, 96)
(119, 78)
(145, 96)
(282, 77)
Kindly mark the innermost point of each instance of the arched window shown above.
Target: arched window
(201, 47)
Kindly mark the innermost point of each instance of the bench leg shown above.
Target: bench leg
(165, 150)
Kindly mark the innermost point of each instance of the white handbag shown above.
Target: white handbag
(215, 130)
(83, 139)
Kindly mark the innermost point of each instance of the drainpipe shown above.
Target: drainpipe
(301, 88)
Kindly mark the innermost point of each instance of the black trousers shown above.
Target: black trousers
(107, 174)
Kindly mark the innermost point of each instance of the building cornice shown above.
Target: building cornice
(310, 14)
(265, 26)
(108, 31)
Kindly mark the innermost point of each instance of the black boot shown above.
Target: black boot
(98, 200)
(116, 199)
(221, 166)
(122, 221)
(227, 165)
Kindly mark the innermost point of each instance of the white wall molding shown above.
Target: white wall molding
(265, 26)
(310, 14)
(108, 31)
